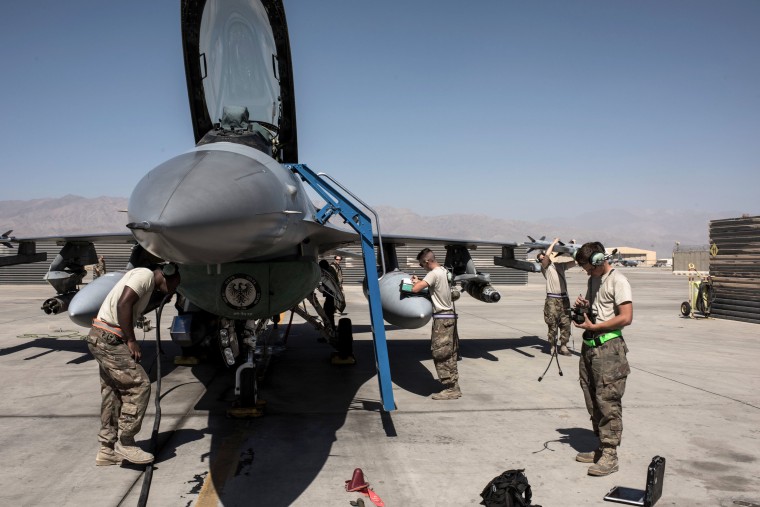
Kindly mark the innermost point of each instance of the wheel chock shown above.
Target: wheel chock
(339, 360)
(186, 360)
(247, 412)
(244, 412)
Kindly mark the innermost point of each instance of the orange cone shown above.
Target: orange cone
(357, 482)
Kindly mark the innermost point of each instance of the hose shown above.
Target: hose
(145, 491)
(287, 330)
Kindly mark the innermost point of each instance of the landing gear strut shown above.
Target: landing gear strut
(246, 385)
(247, 402)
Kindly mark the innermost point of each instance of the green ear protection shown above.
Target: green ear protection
(597, 259)
(169, 269)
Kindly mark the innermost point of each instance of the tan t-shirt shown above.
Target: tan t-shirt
(555, 277)
(139, 280)
(440, 292)
(607, 293)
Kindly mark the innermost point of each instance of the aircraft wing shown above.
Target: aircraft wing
(26, 248)
(471, 244)
(328, 237)
(457, 257)
(114, 238)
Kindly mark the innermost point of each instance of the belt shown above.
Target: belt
(444, 315)
(599, 340)
(552, 295)
(104, 326)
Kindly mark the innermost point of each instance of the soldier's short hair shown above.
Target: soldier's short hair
(583, 255)
(424, 253)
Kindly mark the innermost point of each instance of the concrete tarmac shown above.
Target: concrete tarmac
(693, 397)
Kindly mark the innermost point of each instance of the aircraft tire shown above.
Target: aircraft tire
(685, 309)
(345, 344)
(248, 388)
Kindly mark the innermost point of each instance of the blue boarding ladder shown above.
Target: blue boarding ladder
(337, 203)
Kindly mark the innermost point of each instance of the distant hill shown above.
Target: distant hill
(647, 229)
(70, 214)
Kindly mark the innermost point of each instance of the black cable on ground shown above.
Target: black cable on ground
(145, 491)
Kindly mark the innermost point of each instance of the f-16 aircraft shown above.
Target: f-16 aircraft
(234, 213)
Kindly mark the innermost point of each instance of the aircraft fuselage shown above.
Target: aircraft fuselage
(220, 203)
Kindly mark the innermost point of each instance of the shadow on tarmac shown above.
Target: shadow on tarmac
(53, 343)
(74, 342)
(279, 455)
(272, 460)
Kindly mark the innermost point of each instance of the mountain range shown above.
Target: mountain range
(645, 229)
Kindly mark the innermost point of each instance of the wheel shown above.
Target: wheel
(685, 309)
(248, 388)
(345, 344)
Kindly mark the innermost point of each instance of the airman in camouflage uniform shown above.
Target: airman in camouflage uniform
(124, 390)
(337, 270)
(99, 269)
(603, 366)
(335, 265)
(124, 385)
(442, 344)
(557, 302)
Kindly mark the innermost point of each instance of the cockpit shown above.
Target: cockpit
(235, 80)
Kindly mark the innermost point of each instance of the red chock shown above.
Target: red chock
(357, 481)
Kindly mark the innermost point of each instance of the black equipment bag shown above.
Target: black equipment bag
(510, 489)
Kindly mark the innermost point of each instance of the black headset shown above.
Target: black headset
(169, 269)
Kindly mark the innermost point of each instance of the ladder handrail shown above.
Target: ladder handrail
(367, 206)
(360, 222)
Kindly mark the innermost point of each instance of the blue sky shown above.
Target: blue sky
(511, 109)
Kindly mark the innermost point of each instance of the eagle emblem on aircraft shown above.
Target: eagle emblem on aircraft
(241, 292)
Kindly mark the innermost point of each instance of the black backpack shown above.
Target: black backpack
(510, 489)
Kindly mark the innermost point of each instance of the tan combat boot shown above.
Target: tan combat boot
(128, 450)
(452, 392)
(565, 351)
(589, 457)
(106, 456)
(606, 465)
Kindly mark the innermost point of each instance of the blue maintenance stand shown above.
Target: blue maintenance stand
(356, 218)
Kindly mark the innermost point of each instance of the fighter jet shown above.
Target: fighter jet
(234, 213)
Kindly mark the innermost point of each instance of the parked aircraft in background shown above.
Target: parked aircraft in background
(234, 212)
(631, 263)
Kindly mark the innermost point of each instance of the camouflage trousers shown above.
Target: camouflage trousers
(124, 387)
(556, 317)
(445, 351)
(603, 372)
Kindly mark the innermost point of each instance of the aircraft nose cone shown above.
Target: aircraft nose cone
(207, 207)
